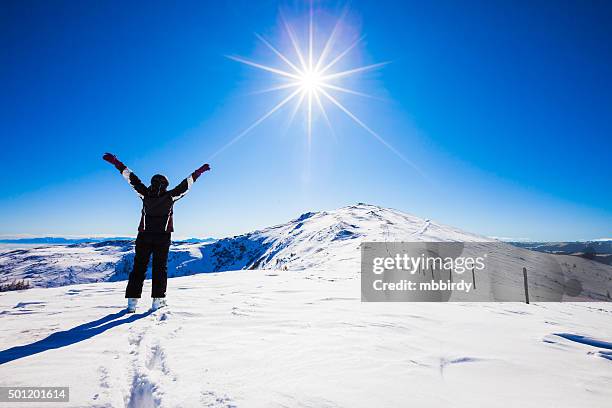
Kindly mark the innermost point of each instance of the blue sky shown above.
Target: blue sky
(504, 106)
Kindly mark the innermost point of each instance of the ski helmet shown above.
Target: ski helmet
(159, 184)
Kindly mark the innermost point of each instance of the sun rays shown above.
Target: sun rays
(312, 80)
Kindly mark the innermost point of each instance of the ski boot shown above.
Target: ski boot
(131, 307)
(158, 303)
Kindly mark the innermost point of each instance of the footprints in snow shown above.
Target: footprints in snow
(150, 378)
(35, 305)
(460, 360)
(22, 308)
(213, 400)
(148, 368)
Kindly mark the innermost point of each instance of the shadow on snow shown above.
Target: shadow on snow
(590, 342)
(71, 336)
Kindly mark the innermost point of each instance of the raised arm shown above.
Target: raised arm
(127, 174)
(184, 186)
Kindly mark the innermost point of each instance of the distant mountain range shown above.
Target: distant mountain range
(599, 250)
(69, 241)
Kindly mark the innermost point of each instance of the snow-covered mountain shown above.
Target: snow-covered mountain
(321, 240)
(60, 265)
(325, 240)
(313, 240)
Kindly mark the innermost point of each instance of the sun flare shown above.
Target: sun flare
(312, 81)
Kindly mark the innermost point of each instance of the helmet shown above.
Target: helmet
(159, 184)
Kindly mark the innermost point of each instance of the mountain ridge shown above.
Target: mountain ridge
(325, 241)
(315, 239)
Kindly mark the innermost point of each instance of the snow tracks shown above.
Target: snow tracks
(144, 377)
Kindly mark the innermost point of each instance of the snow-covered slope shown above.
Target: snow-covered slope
(294, 333)
(326, 240)
(265, 338)
(59, 265)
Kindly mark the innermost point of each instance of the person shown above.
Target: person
(154, 231)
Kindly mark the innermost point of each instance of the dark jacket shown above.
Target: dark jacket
(157, 210)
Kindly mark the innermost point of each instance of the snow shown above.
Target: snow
(275, 338)
(283, 326)
(59, 265)
(324, 240)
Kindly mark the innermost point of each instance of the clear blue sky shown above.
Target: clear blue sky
(505, 106)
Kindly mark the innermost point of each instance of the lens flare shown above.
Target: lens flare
(312, 80)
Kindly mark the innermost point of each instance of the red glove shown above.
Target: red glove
(112, 159)
(201, 170)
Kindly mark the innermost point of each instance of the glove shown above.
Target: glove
(201, 170)
(112, 159)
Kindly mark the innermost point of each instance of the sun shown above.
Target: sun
(312, 81)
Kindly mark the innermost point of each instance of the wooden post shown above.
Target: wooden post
(526, 285)
(473, 279)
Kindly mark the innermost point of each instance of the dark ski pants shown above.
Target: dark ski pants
(147, 244)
